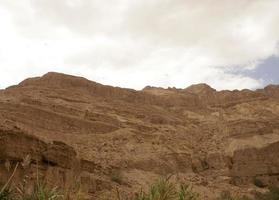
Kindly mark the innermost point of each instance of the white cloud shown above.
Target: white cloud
(138, 43)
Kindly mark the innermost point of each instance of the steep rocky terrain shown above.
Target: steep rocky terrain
(68, 129)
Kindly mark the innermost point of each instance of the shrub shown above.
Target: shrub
(186, 193)
(40, 192)
(272, 194)
(6, 194)
(258, 183)
(163, 189)
(116, 176)
(5, 191)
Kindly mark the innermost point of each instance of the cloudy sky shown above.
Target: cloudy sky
(229, 44)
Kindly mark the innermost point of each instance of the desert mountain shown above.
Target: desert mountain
(70, 128)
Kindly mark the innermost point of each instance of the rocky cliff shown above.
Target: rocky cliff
(68, 128)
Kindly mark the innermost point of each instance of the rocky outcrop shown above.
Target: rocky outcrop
(271, 90)
(15, 146)
(251, 163)
(54, 162)
(252, 127)
(69, 128)
(60, 154)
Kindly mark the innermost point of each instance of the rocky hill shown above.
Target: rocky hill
(69, 129)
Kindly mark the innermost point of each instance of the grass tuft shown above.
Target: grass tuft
(163, 189)
(116, 176)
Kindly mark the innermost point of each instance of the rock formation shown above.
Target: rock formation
(69, 129)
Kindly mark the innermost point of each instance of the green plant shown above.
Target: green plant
(186, 193)
(42, 192)
(141, 196)
(163, 189)
(6, 194)
(271, 194)
(258, 183)
(116, 176)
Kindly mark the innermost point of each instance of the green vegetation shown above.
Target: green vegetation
(163, 189)
(258, 183)
(116, 176)
(272, 194)
(6, 194)
(40, 192)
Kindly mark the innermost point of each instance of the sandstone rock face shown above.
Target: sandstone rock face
(59, 154)
(54, 162)
(262, 163)
(73, 129)
(16, 145)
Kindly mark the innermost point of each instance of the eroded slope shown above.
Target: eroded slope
(196, 133)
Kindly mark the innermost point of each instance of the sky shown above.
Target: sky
(130, 43)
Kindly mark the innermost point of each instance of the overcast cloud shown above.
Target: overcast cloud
(134, 43)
